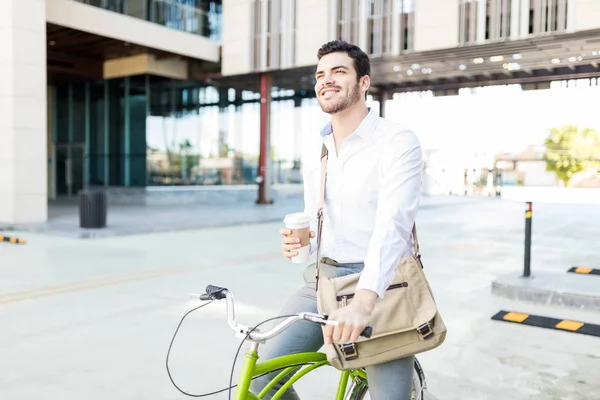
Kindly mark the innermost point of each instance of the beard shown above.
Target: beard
(340, 103)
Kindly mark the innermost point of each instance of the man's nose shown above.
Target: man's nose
(328, 79)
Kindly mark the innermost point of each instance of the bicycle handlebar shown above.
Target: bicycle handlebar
(219, 293)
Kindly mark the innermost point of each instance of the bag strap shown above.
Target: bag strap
(324, 156)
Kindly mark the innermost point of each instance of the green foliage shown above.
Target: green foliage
(571, 149)
(185, 145)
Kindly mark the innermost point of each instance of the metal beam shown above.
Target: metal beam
(417, 86)
(264, 161)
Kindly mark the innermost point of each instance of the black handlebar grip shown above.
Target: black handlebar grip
(215, 292)
(212, 288)
(367, 332)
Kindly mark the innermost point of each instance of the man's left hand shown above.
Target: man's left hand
(352, 319)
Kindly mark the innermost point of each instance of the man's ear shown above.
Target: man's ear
(365, 83)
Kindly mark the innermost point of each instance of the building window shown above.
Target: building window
(348, 21)
(407, 24)
(498, 14)
(201, 17)
(379, 26)
(493, 20)
(273, 34)
(546, 16)
(388, 25)
(487, 20)
(468, 20)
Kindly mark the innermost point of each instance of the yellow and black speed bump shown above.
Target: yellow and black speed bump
(548, 323)
(585, 271)
(11, 240)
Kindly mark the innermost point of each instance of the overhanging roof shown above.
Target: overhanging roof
(533, 60)
(76, 55)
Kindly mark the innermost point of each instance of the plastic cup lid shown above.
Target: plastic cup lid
(297, 218)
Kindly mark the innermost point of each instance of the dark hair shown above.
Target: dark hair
(361, 62)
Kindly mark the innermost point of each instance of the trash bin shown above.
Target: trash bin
(92, 208)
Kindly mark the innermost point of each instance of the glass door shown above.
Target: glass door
(70, 168)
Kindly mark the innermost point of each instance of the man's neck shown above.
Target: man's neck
(345, 123)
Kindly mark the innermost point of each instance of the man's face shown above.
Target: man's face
(337, 87)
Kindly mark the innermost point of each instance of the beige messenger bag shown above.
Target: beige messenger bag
(405, 322)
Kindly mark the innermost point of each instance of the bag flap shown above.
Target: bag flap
(407, 303)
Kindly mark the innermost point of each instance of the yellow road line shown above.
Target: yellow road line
(71, 287)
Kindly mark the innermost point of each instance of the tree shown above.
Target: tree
(571, 149)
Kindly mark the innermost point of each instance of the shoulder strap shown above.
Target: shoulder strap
(324, 156)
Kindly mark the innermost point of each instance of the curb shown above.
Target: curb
(584, 271)
(548, 322)
(546, 296)
(12, 240)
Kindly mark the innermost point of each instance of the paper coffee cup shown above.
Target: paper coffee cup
(299, 223)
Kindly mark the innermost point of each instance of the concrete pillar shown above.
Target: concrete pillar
(382, 97)
(297, 129)
(363, 26)
(385, 96)
(223, 120)
(238, 132)
(23, 124)
(224, 175)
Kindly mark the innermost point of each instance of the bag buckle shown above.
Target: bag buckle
(349, 351)
(425, 330)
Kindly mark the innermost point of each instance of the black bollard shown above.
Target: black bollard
(528, 214)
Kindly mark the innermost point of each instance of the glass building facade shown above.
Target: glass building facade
(201, 17)
(146, 130)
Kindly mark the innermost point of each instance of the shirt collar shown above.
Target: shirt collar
(363, 130)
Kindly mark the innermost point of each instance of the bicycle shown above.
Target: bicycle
(352, 384)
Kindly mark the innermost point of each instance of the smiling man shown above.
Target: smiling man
(372, 195)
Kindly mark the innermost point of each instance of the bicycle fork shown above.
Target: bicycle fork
(242, 390)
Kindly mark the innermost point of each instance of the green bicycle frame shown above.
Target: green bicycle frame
(286, 364)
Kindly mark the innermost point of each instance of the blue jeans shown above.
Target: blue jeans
(389, 381)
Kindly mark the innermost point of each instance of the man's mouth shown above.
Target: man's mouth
(330, 90)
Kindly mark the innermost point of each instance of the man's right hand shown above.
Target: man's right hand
(290, 243)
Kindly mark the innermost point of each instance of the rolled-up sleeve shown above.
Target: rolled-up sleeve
(399, 198)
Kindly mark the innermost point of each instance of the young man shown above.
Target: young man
(372, 194)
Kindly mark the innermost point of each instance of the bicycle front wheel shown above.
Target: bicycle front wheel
(358, 388)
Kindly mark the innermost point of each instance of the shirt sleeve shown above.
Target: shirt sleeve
(397, 205)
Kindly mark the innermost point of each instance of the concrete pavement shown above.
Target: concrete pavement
(94, 319)
(123, 219)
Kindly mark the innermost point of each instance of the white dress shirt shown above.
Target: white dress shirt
(371, 198)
